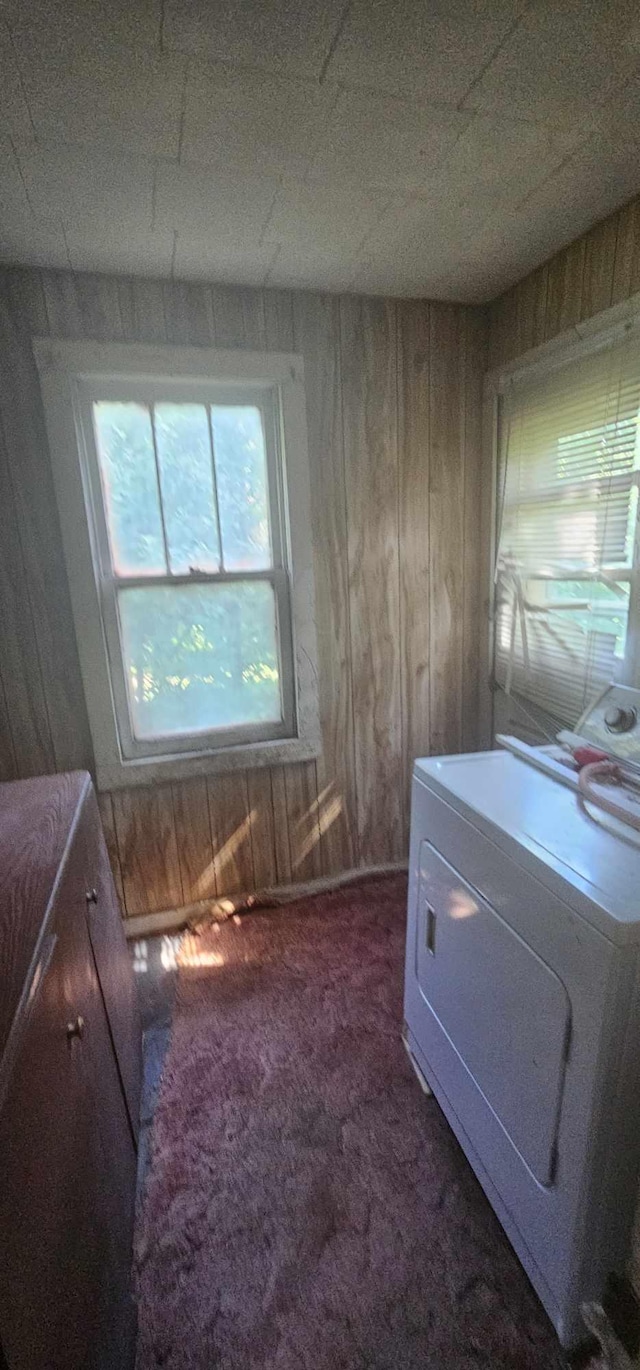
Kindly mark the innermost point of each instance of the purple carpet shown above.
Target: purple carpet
(307, 1207)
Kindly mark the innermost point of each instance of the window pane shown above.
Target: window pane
(186, 482)
(200, 656)
(132, 506)
(241, 473)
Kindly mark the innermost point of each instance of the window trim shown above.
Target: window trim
(617, 324)
(69, 372)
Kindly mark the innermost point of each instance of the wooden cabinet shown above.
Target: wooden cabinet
(70, 1068)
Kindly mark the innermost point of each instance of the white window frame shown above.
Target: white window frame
(72, 376)
(617, 324)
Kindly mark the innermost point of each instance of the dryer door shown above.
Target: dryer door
(506, 1013)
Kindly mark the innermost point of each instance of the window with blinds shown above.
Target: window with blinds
(569, 464)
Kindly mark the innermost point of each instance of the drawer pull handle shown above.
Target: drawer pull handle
(75, 1029)
(91, 896)
(431, 931)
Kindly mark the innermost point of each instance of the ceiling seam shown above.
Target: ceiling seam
(20, 76)
(503, 41)
(334, 41)
(183, 109)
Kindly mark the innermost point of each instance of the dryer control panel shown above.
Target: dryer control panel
(612, 723)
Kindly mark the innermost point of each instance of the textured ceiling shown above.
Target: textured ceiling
(410, 147)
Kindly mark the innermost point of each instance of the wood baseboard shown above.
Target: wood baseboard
(218, 910)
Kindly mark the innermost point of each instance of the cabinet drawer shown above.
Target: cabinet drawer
(111, 956)
(68, 1168)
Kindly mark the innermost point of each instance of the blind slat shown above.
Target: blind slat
(569, 472)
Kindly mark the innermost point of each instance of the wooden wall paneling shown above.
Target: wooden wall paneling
(188, 315)
(147, 301)
(42, 559)
(146, 835)
(564, 294)
(183, 842)
(597, 270)
(531, 305)
(279, 322)
(83, 306)
(263, 842)
(301, 789)
(63, 304)
(599, 261)
(228, 316)
(8, 762)
(253, 318)
(26, 721)
(25, 295)
(25, 737)
(280, 825)
(105, 805)
(126, 302)
(300, 780)
(504, 326)
(194, 840)
(231, 832)
(279, 317)
(475, 588)
(370, 416)
(446, 528)
(99, 301)
(626, 271)
(540, 296)
(317, 337)
(414, 349)
(243, 325)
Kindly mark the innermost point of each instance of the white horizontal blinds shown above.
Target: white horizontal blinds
(569, 458)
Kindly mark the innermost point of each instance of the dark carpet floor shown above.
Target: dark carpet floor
(307, 1208)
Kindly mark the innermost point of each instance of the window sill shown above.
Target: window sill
(123, 775)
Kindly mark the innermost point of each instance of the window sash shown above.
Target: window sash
(262, 396)
(202, 739)
(567, 481)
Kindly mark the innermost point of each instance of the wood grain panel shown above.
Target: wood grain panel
(263, 843)
(301, 789)
(231, 832)
(503, 332)
(372, 530)
(531, 304)
(414, 343)
(280, 825)
(626, 271)
(149, 323)
(23, 688)
(146, 835)
(279, 318)
(599, 269)
(42, 561)
(369, 380)
(26, 299)
(105, 806)
(194, 840)
(599, 261)
(8, 758)
(446, 525)
(316, 322)
(564, 292)
(228, 316)
(62, 297)
(475, 595)
(188, 316)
